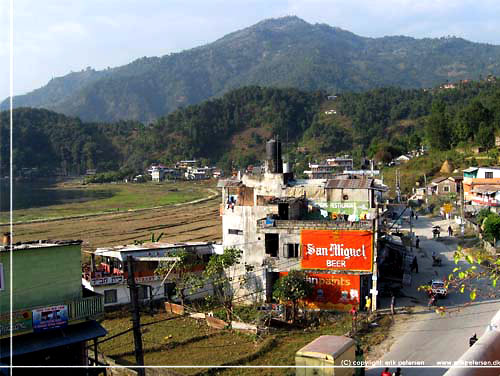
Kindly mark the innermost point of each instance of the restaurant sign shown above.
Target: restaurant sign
(335, 292)
(50, 318)
(349, 250)
(107, 280)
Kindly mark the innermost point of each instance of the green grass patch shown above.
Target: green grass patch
(106, 198)
(177, 341)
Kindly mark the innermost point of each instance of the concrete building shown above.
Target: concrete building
(482, 186)
(53, 316)
(281, 224)
(109, 276)
(329, 168)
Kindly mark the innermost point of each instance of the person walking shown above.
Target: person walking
(417, 242)
(414, 265)
(450, 231)
(368, 303)
(386, 372)
(354, 314)
(398, 372)
(393, 304)
(472, 340)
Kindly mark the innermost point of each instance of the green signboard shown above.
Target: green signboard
(21, 322)
(348, 207)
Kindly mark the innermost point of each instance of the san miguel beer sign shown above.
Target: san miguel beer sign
(350, 250)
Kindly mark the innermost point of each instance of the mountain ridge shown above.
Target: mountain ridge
(282, 52)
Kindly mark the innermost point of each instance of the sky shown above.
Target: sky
(54, 37)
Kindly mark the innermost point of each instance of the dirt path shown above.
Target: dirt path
(198, 221)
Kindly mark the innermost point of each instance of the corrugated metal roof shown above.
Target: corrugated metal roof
(439, 180)
(471, 169)
(363, 183)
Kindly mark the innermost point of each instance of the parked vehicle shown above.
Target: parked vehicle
(438, 288)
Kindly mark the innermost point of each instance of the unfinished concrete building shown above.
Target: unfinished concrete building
(268, 216)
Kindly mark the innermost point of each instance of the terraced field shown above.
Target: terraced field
(183, 222)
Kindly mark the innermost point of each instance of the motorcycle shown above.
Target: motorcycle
(436, 261)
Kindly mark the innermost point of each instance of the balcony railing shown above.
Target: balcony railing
(86, 308)
(314, 224)
(81, 309)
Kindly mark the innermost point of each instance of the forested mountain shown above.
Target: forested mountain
(231, 131)
(284, 52)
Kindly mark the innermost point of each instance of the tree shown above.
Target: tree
(437, 127)
(478, 266)
(292, 288)
(221, 272)
(491, 228)
(182, 271)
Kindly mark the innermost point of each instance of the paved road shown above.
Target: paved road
(427, 336)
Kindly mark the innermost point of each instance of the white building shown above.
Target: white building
(109, 277)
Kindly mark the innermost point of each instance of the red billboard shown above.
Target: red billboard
(337, 250)
(336, 292)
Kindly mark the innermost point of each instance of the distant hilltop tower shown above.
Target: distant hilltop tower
(274, 163)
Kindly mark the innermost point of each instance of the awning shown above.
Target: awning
(486, 189)
(28, 343)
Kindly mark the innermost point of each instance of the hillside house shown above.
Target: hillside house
(445, 185)
(53, 315)
(402, 159)
(329, 168)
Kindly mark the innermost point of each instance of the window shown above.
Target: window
(110, 296)
(291, 250)
(272, 244)
(235, 231)
(488, 175)
(446, 188)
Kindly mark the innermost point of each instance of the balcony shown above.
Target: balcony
(86, 308)
(314, 224)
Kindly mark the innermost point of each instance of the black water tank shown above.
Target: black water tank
(273, 156)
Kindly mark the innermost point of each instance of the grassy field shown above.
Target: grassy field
(175, 340)
(109, 198)
(185, 341)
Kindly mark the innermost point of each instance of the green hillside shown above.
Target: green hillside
(284, 52)
(231, 131)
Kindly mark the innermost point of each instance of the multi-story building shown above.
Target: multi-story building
(329, 168)
(52, 314)
(482, 186)
(324, 227)
(109, 276)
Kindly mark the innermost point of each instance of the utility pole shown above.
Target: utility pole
(425, 189)
(374, 291)
(398, 187)
(136, 317)
(462, 203)
(411, 229)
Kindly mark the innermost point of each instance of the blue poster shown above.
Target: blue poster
(50, 318)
